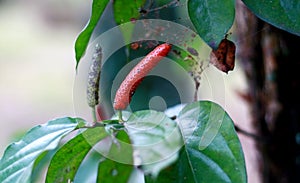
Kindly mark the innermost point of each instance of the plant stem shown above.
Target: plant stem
(120, 116)
(94, 114)
(197, 84)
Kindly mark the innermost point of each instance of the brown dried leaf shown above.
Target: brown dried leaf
(224, 57)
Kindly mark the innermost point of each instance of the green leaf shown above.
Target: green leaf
(283, 14)
(125, 11)
(87, 171)
(110, 170)
(18, 159)
(84, 37)
(221, 161)
(156, 139)
(212, 19)
(40, 165)
(67, 160)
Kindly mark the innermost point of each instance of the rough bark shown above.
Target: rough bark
(269, 57)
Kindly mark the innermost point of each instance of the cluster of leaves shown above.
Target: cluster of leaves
(211, 19)
(167, 150)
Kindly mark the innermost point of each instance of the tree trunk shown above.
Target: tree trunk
(269, 57)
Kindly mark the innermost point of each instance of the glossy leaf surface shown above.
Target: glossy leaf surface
(283, 14)
(212, 19)
(83, 38)
(19, 157)
(112, 170)
(221, 161)
(156, 139)
(66, 161)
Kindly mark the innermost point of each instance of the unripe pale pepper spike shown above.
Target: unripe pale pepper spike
(136, 75)
(94, 78)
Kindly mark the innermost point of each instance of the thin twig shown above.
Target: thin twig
(248, 134)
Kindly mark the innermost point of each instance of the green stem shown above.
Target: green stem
(94, 114)
(120, 116)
